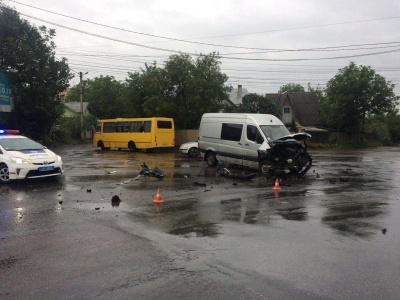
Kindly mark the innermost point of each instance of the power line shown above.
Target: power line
(215, 45)
(208, 44)
(195, 54)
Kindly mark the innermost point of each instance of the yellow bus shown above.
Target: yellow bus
(134, 133)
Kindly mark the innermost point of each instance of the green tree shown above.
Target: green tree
(254, 103)
(184, 89)
(27, 54)
(104, 96)
(133, 94)
(318, 90)
(291, 88)
(353, 94)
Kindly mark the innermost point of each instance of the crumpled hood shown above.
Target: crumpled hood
(297, 136)
(36, 156)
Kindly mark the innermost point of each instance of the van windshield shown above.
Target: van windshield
(274, 132)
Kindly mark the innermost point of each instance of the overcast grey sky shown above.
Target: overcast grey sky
(264, 44)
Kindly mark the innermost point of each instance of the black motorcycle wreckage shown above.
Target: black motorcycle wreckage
(288, 153)
(146, 171)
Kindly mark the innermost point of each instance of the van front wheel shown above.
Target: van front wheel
(211, 159)
(265, 168)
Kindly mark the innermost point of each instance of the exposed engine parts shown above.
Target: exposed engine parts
(285, 155)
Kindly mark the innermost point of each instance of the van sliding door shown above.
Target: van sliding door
(251, 142)
(230, 149)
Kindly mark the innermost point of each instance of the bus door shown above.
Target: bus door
(164, 133)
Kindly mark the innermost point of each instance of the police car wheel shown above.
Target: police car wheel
(4, 173)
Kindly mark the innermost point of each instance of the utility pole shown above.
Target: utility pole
(81, 95)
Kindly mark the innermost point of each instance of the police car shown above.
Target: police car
(21, 158)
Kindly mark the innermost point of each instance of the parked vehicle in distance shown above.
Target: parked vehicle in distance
(21, 157)
(190, 148)
(135, 133)
(254, 140)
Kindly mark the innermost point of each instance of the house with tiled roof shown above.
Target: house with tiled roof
(303, 108)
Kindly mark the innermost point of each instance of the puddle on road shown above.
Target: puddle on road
(196, 230)
(355, 216)
(354, 204)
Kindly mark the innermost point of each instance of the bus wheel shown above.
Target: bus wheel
(132, 146)
(211, 159)
(101, 145)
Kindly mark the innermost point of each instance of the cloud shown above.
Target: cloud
(243, 30)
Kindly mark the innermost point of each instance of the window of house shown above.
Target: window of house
(286, 110)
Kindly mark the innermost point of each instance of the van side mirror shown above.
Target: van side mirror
(259, 139)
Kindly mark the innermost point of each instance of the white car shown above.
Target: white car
(21, 157)
(190, 148)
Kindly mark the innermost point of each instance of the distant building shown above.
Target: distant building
(303, 108)
(236, 95)
(74, 108)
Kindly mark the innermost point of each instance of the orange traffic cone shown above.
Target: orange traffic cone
(158, 199)
(276, 187)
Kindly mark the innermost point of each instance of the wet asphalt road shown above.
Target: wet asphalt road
(333, 235)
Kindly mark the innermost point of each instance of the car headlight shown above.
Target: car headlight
(19, 160)
(58, 158)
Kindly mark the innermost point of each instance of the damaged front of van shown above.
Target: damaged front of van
(287, 153)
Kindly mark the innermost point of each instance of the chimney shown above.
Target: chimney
(239, 93)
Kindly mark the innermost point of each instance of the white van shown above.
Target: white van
(247, 140)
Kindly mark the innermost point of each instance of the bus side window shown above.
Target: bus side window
(147, 126)
(109, 127)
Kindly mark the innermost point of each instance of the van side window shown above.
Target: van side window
(254, 135)
(231, 132)
(251, 133)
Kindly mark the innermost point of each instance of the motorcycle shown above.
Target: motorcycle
(146, 171)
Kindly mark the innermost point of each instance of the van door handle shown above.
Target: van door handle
(246, 144)
(239, 143)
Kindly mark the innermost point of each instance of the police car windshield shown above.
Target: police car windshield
(274, 132)
(18, 144)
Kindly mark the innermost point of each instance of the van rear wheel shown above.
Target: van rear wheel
(211, 159)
